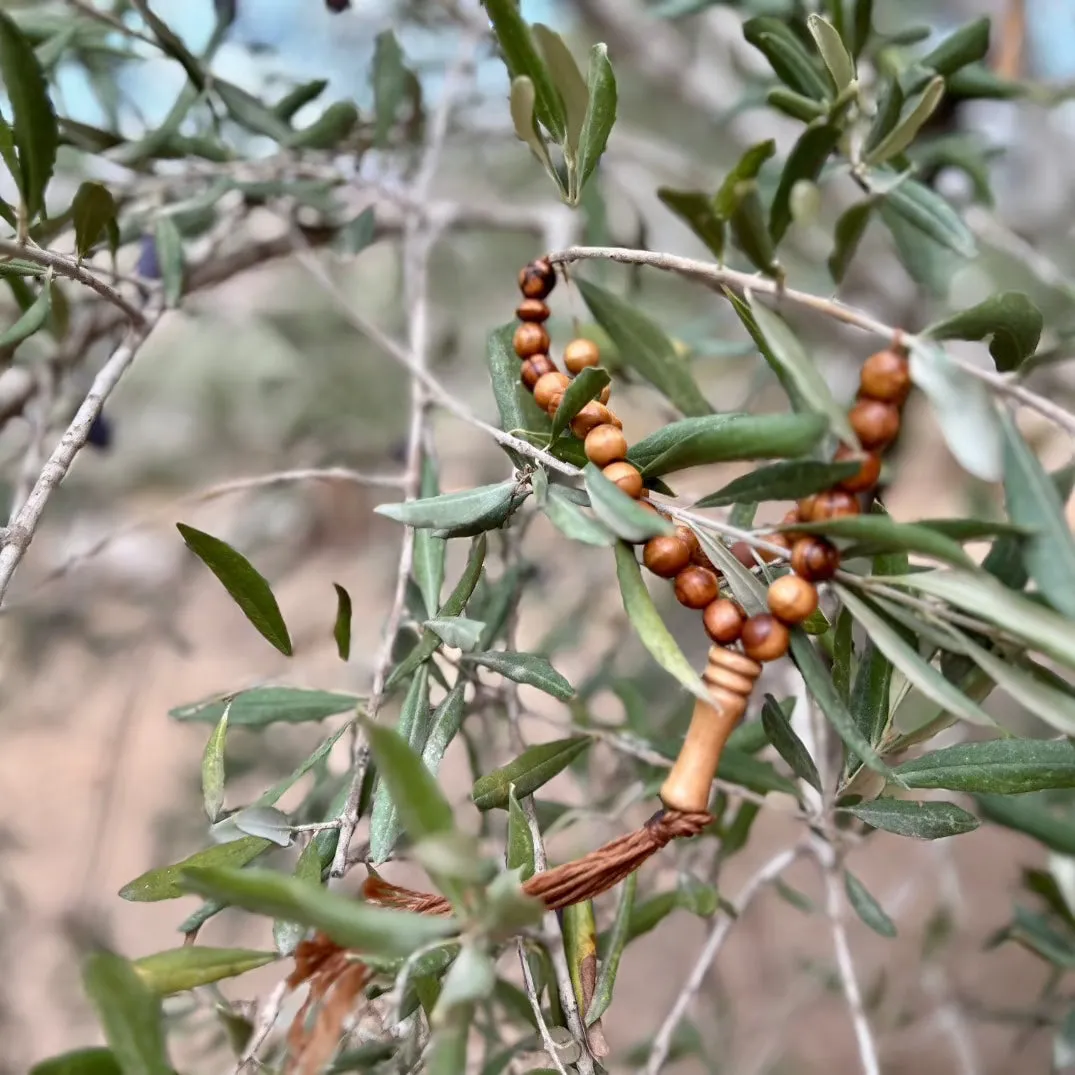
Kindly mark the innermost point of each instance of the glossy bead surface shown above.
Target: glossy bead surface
(744, 553)
(792, 599)
(832, 504)
(605, 393)
(626, 477)
(723, 621)
(696, 587)
(605, 444)
(532, 310)
(886, 376)
(814, 558)
(533, 369)
(548, 386)
(685, 533)
(875, 423)
(591, 416)
(868, 473)
(764, 638)
(530, 339)
(537, 279)
(666, 556)
(579, 354)
(781, 540)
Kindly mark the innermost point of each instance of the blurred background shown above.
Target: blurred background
(111, 625)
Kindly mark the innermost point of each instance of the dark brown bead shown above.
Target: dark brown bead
(868, 473)
(790, 519)
(666, 556)
(591, 416)
(530, 339)
(792, 599)
(875, 423)
(685, 533)
(605, 444)
(580, 354)
(764, 638)
(815, 558)
(723, 621)
(743, 551)
(832, 504)
(548, 386)
(532, 310)
(626, 477)
(783, 540)
(535, 368)
(696, 587)
(537, 279)
(886, 376)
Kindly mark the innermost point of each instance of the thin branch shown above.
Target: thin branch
(535, 1007)
(662, 1043)
(268, 1013)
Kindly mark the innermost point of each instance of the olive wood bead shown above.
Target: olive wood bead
(530, 339)
(591, 416)
(886, 376)
(783, 540)
(666, 556)
(832, 504)
(685, 533)
(605, 444)
(764, 638)
(581, 353)
(867, 475)
(815, 558)
(532, 310)
(696, 586)
(626, 476)
(537, 279)
(533, 369)
(876, 423)
(723, 621)
(792, 599)
(743, 551)
(548, 386)
(605, 393)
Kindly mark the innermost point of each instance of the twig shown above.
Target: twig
(268, 1013)
(535, 1007)
(662, 1043)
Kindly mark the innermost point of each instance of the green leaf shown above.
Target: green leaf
(80, 1062)
(906, 130)
(644, 346)
(389, 78)
(269, 705)
(613, 951)
(850, 229)
(265, 822)
(1010, 321)
(248, 589)
(470, 979)
(649, 626)
(376, 931)
(574, 523)
(444, 726)
(568, 80)
(800, 378)
(530, 669)
(842, 653)
(919, 672)
(735, 182)
(621, 514)
(341, 630)
(519, 413)
(787, 55)
(452, 510)
(805, 161)
(457, 631)
(833, 51)
(964, 411)
(312, 861)
(93, 212)
(521, 104)
(1032, 817)
(130, 1014)
(528, 772)
(787, 480)
(873, 534)
(921, 820)
(354, 236)
(250, 113)
(1032, 501)
(696, 210)
(930, 214)
(716, 438)
(748, 590)
(213, 768)
(600, 114)
(520, 844)
(975, 529)
(299, 97)
(429, 551)
(163, 883)
(188, 967)
(788, 745)
(33, 320)
(522, 58)
(795, 105)
(169, 246)
(446, 1053)
(586, 386)
(34, 126)
(967, 45)
(998, 766)
(866, 907)
(329, 130)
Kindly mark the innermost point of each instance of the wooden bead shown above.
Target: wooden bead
(868, 473)
(790, 519)
(723, 621)
(533, 369)
(537, 279)
(666, 556)
(876, 424)
(548, 386)
(783, 540)
(764, 638)
(626, 477)
(685, 533)
(591, 416)
(744, 552)
(832, 504)
(530, 339)
(815, 558)
(605, 444)
(605, 393)
(580, 354)
(532, 310)
(886, 376)
(792, 599)
(696, 586)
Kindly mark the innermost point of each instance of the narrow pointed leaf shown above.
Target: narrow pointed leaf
(308, 869)
(833, 51)
(620, 513)
(805, 162)
(1009, 320)
(573, 522)
(930, 214)
(528, 772)
(587, 386)
(32, 321)
(998, 766)
(530, 669)
(93, 213)
(80, 1062)
(163, 883)
(1033, 817)
(600, 113)
(444, 726)
(520, 843)
(920, 820)
(787, 480)
(788, 745)
(213, 769)
(568, 80)
(169, 247)
(850, 228)
(613, 951)
(429, 551)
(874, 534)
(519, 414)
(452, 510)
(521, 104)
(907, 129)
(696, 210)
(389, 77)
(261, 706)
(341, 630)
(967, 45)
(866, 907)
(185, 968)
